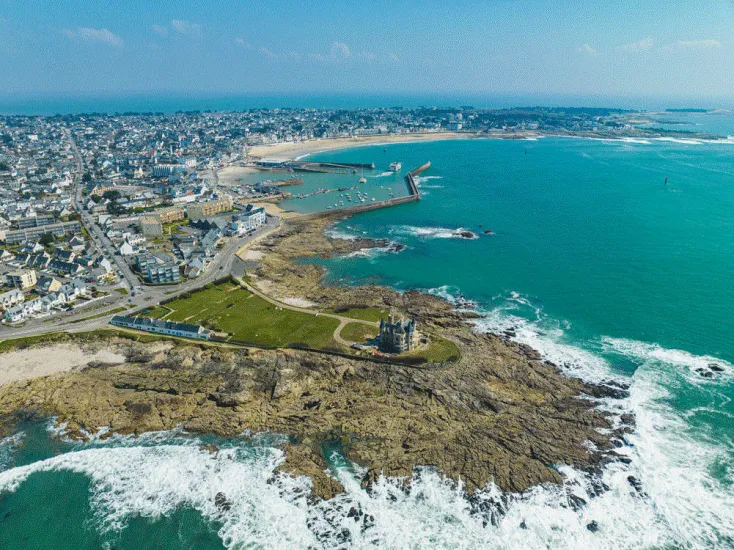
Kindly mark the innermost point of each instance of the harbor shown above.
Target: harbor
(412, 196)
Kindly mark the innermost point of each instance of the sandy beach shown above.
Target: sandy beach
(44, 361)
(298, 149)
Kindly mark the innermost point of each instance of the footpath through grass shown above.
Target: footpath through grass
(227, 307)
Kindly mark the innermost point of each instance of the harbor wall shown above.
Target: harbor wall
(414, 195)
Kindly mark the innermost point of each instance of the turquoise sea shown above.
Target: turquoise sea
(593, 260)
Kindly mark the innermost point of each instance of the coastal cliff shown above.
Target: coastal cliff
(500, 413)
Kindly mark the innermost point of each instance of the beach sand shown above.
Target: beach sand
(44, 361)
(298, 149)
(231, 174)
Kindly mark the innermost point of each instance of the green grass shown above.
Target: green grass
(156, 312)
(122, 290)
(358, 332)
(364, 313)
(439, 350)
(228, 308)
(98, 315)
(22, 343)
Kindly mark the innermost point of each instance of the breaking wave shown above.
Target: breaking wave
(672, 487)
(684, 469)
(434, 232)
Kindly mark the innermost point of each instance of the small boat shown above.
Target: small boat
(362, 180)
(395, 167)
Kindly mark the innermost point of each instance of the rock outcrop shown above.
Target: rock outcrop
(499, 414)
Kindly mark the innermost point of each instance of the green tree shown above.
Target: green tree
(47, 239)
(111, 195)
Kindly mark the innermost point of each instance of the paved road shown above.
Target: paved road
(224, 264)
(103, 245)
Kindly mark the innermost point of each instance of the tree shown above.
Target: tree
(87, 177)
(47, 239)
(111, 195)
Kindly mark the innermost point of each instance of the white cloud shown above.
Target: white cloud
(102, 36)
(394, 58)
(339, 50)
(640, 45)
(186, 27)
(243, 43)
(267, 53)
(701, 43)
(160, 30)
(587, 49)
(366, 56)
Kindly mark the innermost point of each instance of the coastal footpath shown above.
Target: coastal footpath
(499, 413)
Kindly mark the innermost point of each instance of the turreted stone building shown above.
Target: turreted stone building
(396, 336)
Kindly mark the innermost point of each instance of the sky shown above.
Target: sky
(612, 48)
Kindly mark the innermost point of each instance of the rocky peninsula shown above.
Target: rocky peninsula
(499, 413)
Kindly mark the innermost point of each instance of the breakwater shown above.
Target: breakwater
(413, 196)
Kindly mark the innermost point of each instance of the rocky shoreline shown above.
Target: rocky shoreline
(499, 414)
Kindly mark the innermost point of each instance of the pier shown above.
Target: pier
(410, 179)
(413, 196)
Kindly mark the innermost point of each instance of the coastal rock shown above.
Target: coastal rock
(499, 413)
(494, 415)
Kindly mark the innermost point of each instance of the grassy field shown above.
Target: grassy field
(98, 315)
(365, 314)
(122, 290)
(228, 308)
(439, 350)
(357, 332)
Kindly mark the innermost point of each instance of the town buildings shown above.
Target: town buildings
(199, 210)
(22, 278)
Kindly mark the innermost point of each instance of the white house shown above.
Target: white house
(11, 298)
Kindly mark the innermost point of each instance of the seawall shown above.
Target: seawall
(413, 196)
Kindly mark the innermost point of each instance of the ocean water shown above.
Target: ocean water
(592, 259)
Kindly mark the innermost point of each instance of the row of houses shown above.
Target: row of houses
(157, 326)
(34, 233)
(17, 309)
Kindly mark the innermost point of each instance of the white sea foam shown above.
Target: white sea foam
(376, 252)
(682, 504)
(685, 505)
(154, 481)
(681, 141)
(675, 460)
(692, 365)
(432, 232)
(7, 446)
(343, 235)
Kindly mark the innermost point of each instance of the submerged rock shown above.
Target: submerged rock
(222, 503)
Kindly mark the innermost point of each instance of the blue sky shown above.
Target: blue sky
(605, 48)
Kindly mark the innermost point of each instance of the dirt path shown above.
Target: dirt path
(343, 321)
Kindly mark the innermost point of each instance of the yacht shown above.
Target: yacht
(395, 167)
